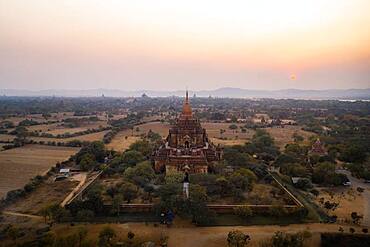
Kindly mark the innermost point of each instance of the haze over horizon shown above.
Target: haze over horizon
(168, 45)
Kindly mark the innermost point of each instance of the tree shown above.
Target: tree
(132, 157)
(237, 239)
(45, 212)
(198, 205)
(130, 237)
(234, 157)
(304, 184)
(128, 190)
(54, 212)
(142, 146)
(353, 154)
(169, 195)
(97, 148)
(13, 233)
(356, 218)
(85, 215)
(277, 211)
(281, 239)
(106, 236)
(141, 174)
(87, 162)
(116, 204)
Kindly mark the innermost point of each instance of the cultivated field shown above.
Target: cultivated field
(98, 136)
(19, 165)
(57, 128)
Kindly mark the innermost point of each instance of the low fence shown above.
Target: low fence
(218, 208)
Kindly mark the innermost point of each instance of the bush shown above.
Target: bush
(304, 184)
(237, 239)
(85, 215)
(243, 211)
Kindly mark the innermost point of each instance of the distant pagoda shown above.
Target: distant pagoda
(186, 147)
(317, 148)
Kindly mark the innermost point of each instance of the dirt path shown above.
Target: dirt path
(79, 177)
(22, 215)
(216, 236)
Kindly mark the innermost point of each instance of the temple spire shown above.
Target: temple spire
(186, 109)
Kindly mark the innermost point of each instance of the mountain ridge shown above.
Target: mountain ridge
(224, 92)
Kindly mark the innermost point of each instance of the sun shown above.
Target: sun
(293, 77)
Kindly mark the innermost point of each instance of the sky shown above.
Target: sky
(171, 45)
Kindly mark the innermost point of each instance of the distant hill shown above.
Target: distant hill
(346, 94)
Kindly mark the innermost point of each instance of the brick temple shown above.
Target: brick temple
(187, 147)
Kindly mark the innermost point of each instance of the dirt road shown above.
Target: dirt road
(216, 236)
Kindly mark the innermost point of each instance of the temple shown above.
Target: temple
(186, 147)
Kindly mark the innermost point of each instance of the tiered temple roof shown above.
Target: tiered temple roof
(187, 146)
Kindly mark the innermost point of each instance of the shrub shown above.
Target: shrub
(237, 238)
(243, 211)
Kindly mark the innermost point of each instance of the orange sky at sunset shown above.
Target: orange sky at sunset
(167, 44)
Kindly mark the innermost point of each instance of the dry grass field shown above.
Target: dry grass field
(213, 130)
(349, 201)
(284, 135)
(19, 165)
(120, 143)
(158, 127)
(45, 194)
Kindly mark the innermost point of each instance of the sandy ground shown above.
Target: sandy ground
(349, 201)
(19, 165)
